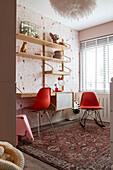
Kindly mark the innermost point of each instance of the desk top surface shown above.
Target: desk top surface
(24, 95)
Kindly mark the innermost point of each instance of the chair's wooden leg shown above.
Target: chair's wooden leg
(38, 119)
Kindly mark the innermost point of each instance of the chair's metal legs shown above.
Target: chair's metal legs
(97, 116)
(39, 122)
(38, 119)
(50, 120)
(83, 119)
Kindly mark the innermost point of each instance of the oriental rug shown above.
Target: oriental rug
(72, 147)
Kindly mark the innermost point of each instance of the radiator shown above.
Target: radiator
(104, 100)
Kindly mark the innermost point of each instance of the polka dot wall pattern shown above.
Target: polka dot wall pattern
(29, 71)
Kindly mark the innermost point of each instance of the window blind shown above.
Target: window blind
(97, 64)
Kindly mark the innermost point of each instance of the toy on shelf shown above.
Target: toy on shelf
(23, 48)
(65, 44)
(58, 54)
(28, 28)
(37, 36)
(56, 88)
(54, 37)
(37, 53)
(61, 43)
(61, 81)
(60, 78)
(48, 53)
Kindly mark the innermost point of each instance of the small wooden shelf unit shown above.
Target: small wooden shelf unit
(44, 44)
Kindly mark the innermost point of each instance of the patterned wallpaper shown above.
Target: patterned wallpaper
(29, 71)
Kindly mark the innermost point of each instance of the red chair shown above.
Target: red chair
(91, 105)
(42, 102)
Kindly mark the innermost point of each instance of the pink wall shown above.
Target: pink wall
(29, 71)
(96, 31)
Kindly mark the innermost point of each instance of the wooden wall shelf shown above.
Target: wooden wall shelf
(57, 72)
(39, 57)
(41, 42)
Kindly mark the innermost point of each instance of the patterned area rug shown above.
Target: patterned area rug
(72, 147)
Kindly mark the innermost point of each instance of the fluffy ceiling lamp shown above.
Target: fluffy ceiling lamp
(73, 9)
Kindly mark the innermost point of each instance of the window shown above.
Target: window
(97, 64)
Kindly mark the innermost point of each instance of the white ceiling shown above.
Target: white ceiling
(103, 13)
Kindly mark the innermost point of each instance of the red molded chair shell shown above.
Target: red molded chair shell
(42, 100)
(89, 101)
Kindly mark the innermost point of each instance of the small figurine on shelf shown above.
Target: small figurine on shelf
(65, 44)
(56, 88)
(54, 37)
(37, 53)
(61, 82)
(36, 36)
(23, 48)
(60, 78)
(61, 43)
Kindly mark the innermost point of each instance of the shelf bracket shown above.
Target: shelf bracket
(68, 68)
(49, 87)
(68, 58)
(49, 65)
(19, 90)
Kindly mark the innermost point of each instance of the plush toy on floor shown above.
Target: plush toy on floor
(10, 157)
(76, 108)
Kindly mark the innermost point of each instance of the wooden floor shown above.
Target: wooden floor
(34, 164)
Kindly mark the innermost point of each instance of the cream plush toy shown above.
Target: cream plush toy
(10, 157)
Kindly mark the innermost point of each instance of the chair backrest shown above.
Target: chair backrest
(89, 99)
(43, 99)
